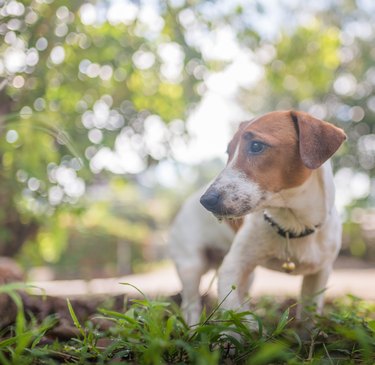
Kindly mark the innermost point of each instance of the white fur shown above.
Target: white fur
(257, 243)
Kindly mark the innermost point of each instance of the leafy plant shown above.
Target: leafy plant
(154, 332)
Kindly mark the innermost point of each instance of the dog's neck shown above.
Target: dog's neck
(306, 206)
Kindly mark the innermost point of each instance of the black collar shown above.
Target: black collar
(284, 232)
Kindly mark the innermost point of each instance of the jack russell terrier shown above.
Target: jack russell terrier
(276, 195)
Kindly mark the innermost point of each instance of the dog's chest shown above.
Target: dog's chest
(301, 268)
(307, 255)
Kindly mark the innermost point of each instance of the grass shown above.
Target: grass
(153, 332)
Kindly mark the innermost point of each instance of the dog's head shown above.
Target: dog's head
(268, 154)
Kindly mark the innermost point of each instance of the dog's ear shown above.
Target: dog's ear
(318, 140)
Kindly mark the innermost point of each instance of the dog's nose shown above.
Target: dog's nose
(210, 200)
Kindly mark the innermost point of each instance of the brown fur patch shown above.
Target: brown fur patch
(280, 165)
(235, 224)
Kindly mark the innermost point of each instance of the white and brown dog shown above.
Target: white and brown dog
(278, 186)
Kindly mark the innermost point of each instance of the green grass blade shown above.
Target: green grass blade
(75, 319)
(284, 320)
(137, 289)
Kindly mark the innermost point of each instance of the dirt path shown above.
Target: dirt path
(164, 282)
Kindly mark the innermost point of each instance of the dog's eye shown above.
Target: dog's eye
(256, 147)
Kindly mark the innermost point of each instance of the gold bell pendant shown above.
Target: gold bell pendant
(288, 266)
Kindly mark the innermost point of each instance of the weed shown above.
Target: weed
(154, 332)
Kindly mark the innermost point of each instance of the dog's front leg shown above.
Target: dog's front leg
(312, 292)
(235, 278)
(237, 269)
(236, 272)
(190, 276)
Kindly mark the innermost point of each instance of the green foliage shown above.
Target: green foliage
(153, 332)
(305, 62)
(75, 80)
(24, 336)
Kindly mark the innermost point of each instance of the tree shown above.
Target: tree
(80, 81)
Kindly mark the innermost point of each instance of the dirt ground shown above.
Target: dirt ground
(350, 276)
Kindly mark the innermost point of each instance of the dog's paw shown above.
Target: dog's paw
(306, 329)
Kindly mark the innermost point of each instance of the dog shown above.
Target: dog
(276, 195)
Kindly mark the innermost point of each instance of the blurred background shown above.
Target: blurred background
(113, 111)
